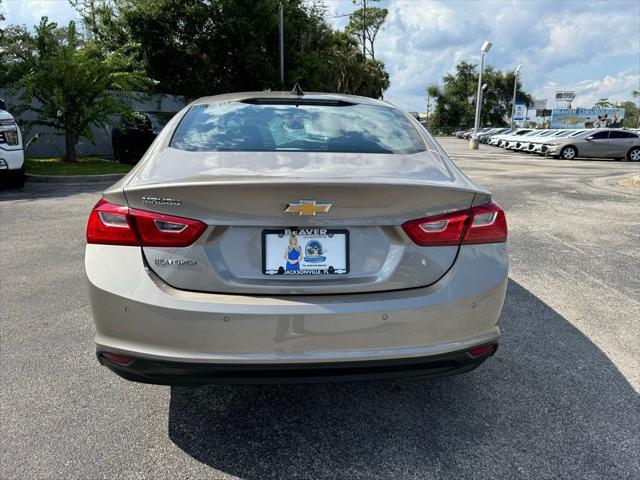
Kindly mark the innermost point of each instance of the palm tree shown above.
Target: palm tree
(636, 94)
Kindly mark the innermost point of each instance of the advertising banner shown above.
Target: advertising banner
(521, 112)
(587, 117)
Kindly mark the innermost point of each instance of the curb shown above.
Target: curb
(71, 179)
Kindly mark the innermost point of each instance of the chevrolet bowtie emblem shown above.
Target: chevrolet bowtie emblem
(307, 207)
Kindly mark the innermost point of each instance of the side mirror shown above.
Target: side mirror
(589, 137)
(3, 104)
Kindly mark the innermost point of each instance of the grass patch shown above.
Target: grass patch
(84, 166)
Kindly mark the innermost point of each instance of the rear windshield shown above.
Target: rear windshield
(354, 128)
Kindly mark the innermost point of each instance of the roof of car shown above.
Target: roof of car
(239, 96)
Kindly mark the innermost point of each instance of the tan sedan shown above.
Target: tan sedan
(601, 143)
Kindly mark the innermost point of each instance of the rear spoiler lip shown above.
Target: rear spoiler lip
(298, 101)
(284, 181)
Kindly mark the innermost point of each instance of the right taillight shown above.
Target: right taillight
(487, 225)
(481, 224)
(111, 224)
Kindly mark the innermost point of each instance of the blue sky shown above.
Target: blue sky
(592, 47)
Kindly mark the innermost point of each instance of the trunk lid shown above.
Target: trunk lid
(239, 195)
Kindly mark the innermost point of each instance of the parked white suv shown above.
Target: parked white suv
(11, 151)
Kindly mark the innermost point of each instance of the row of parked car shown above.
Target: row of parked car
(568, 144)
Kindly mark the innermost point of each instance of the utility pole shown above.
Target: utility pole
(281, 40)
(364, 29)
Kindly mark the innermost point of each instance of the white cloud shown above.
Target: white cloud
(555, 41)
(616, 88)
(29, 12)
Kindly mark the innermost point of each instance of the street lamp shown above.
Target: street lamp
(515, 86)
(473, 143)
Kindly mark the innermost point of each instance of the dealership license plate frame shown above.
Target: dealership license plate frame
(329, 231)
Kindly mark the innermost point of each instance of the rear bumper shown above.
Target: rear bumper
(180, 373)
(174, 333)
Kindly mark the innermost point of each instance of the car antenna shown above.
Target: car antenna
(297, 90)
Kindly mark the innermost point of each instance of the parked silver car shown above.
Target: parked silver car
(600, 143)
(275, 237)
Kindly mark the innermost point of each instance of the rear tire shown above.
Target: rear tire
(634, 154)
(568, 153)
(118, 154)
(122, 158)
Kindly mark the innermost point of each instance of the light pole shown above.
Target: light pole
(515, 87)
(473, 142)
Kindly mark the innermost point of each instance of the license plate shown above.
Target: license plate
(305, 251)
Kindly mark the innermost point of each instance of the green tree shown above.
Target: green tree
(635, 94)
(204, 47)
(72, 82)
(603, 103)
(364, 25)
(455, 99)
(631, 114)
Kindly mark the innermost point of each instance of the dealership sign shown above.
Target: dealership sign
(587, 117)
(565, 95)
(540, 104)
(520, 112)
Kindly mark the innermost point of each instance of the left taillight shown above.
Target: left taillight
(111, 224)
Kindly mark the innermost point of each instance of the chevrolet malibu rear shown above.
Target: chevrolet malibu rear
(276, 238)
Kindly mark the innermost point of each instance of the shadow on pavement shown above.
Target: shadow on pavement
(34, 191)
(548, 404)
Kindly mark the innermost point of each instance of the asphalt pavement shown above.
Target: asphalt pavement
(558, 400)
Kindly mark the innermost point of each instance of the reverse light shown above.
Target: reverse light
(481, 224)
(111, 224)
